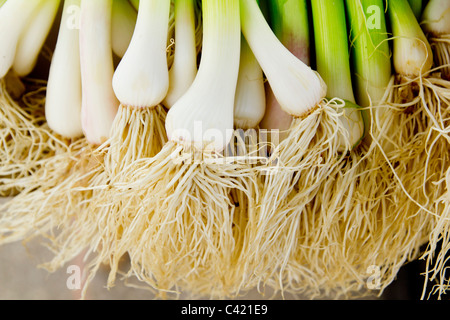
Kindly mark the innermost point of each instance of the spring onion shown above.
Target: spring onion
(332, 61)
(51, 188)
(413, 152)
(417, 7)
(156, 137)
(249, 148)
(184, 68)
(435, 22)
(123, 22)
(31, 43)
(435, 17)
(25, 138)
(141, 82)
(99, 103)
(308, 232)
(14, 19)
(141, 79)
(250, 100)
(289, 21)
(309, 152)
(295, 85)
(181, 120)
(372, 75)
(64, 96)
(412, 53)
(186, 205)
(370, 52)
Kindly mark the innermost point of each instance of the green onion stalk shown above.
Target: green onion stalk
(26, 140)
(92, 178)
(361, 193)
(248, 148)
(100, 109)
(124, 17)
(38, 154)
(81, 70)
(78, 86)
(141, 82)
(46, 199)
(60, 108)
(290, 22)
(79, 107)
(362, 204)
(410, 135)
(311, 150)
(318, 219)
(435, 21)
(123, 31)
(178, 230)
(417, 7)
(436, 25)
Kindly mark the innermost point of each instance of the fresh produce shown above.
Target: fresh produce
(435, 22)
(224, 146)
(26, 140)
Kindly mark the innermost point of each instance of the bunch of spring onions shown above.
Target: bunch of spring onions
(305, 159)
(26, 140)
(56, 192)
(410, 133)
(34, 156)
(222, 150)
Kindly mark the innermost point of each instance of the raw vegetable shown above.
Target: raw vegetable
(312, 139)
(364, 190)
(26, 141)
(417, 7)
(248, 148)
(184, 67)
(319, 219)
(435, 22)
(332, 63)
(123, 22)
(33, 39)
(99, 103)
(14, 18)
(412, 53)
(183, 213)
(436, 25)
(49, 194)
(162, 155)
(409, 134)
(370, 52)
(141, 82)
(290, 22)
(64, 94)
